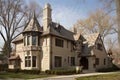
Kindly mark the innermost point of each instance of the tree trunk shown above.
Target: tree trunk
(118, 18)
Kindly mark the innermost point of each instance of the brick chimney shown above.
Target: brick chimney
(46, 16)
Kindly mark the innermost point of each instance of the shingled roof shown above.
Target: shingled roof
(18, 38)
(33, 25)
(58, 30)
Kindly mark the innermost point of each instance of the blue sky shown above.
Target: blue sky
(67, 12)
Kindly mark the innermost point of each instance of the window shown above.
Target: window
(38, 41)
(104, 62)
(27, 61)
(33, 61)
(58, 61)
(68, 59)
(72, 61)
(25, 40)
(99, 46)
(97, 61)
(83, 48)
(59, 42)
(33, 40)
(28, 40)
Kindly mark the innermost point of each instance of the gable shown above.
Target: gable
(99, 43)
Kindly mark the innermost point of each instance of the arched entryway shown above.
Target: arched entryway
(84, 62)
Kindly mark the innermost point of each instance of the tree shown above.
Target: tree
(118, 18)
(34, 7)
(98, 21)
(12, 19)
(4, 49)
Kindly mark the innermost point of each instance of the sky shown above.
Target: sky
(67, 12)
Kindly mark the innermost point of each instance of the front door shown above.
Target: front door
(84, 62)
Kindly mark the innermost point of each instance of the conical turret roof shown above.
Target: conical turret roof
(33, 25)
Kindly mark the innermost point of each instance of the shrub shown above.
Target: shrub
(13, 70)
(3, 67)
(23, 71)
(30, 71)
(114, 68)
(61, 72)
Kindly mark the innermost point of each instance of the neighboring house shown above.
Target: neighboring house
(51, 46)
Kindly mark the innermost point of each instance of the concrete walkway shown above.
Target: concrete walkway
(67, 77)
(72, 77)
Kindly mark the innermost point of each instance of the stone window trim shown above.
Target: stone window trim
(27, 61)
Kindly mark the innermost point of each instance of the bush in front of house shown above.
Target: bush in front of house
(13, 70)
(30, 71)
(114, 68)
(3, 67)
(23, 71)
(62, 72)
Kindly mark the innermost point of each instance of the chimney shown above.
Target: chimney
(46, 16)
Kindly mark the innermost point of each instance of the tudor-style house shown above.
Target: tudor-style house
(51, 46)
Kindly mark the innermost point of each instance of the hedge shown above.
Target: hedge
(23, 71)
(114, 68)
(62, 72)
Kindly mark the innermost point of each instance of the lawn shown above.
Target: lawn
(115, 76)
(21, 76)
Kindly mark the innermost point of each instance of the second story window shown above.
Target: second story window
(99, 46)
(28, 40)
(33, 40)
(25, 40)
(59, 42)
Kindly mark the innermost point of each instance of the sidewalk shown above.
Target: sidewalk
(72, 77)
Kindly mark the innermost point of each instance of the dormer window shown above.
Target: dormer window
(99, 46)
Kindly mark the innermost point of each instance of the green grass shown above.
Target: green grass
(115, 76)
(21, 76)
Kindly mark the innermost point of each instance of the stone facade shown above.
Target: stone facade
(51, 46)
